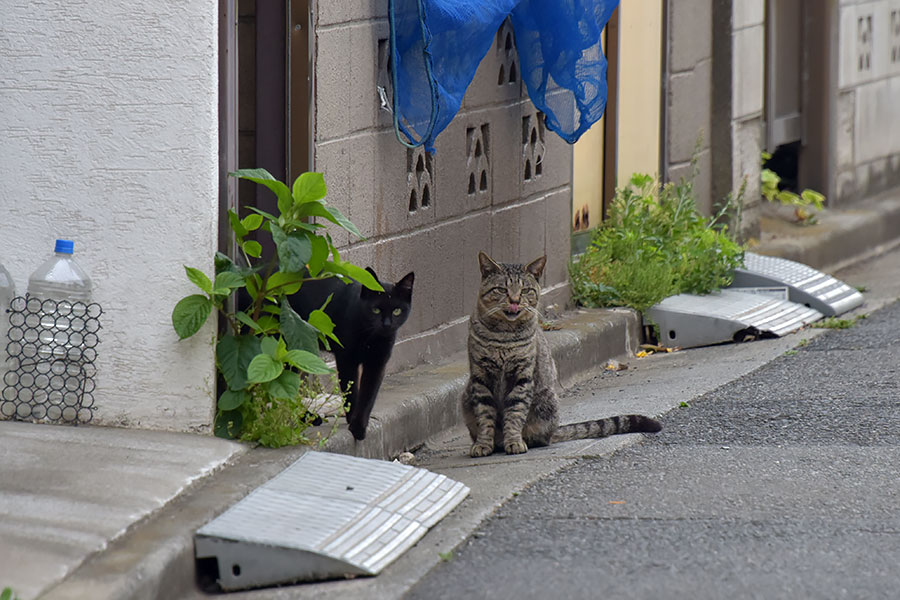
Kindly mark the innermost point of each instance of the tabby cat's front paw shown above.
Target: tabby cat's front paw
(480, 449)
(515, 447)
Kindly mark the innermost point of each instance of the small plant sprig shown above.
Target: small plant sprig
(805, 204)
(655, 244)
(266, 347)
(836, 323)
(8, 594)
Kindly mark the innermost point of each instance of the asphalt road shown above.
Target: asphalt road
(784, 483)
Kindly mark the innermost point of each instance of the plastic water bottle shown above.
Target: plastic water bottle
(7, 293)
(63, 289)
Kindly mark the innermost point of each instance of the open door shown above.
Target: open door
(798, 84)
(266, 92)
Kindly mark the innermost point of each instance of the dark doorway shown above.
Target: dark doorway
(265, 100)
(798, 84)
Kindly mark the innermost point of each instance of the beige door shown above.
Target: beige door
(627, 139)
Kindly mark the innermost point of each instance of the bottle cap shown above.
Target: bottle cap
(65, 246)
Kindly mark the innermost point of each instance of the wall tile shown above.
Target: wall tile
(332, 12)
(873, 113)
(499, 77)
(747, 13)
(689, 112)
(557, 236)
(690, 34)
(748, 86)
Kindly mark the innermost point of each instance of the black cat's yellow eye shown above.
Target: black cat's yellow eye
(376, 310)
(397, 312)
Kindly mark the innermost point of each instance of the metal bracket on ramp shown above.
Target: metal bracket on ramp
(687, 320)
(805, 285)
(325, 516)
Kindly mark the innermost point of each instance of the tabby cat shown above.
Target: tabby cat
(366, 323)
(510, 400)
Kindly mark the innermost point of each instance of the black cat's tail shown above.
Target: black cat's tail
(605, 427)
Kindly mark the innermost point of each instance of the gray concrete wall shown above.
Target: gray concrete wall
(738, 99)
(688, 105)
(867, 119)
(497, 182)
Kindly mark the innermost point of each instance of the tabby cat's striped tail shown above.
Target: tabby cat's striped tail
(606, 427)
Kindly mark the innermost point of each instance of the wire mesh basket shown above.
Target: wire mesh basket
(51, 352)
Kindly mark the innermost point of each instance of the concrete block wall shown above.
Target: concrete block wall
(867, 119)
(109, 120)
(498, 181)
(689, 88)
(738, 104)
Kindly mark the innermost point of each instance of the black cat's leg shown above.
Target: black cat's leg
(348, 375)
(371, 377)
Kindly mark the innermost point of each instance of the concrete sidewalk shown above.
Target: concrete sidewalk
(90, 512)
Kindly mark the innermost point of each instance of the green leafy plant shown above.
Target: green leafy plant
(655, 244)
(805, 204)
(266, 351)
(7, 594)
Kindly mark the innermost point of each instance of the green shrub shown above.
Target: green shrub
(655, 244)
(266, 354)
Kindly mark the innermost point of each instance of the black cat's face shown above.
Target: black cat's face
(384, 312)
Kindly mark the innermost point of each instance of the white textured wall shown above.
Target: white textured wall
(108, 136)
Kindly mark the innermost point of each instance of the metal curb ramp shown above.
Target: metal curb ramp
(325, 516)
(805, 285)
(770, 296)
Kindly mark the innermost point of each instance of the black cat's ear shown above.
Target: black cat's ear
(487, 265)
(405, 285)
(537, 267)
(365, 292)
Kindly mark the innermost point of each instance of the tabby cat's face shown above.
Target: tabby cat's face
(509, 293)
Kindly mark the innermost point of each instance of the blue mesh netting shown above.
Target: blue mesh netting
(436, 47)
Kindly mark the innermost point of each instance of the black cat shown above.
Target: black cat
(366, 323)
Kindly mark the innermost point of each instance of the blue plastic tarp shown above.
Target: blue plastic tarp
(437, 45)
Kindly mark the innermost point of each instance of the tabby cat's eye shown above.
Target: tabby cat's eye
(376, 310)
(397, 312)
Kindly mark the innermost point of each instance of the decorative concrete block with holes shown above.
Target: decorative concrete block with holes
(495, 182)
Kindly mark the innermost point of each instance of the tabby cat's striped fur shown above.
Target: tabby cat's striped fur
(510, 400)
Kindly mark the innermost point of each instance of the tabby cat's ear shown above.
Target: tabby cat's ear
(487, 265)
(536, 267)
(405, 285)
